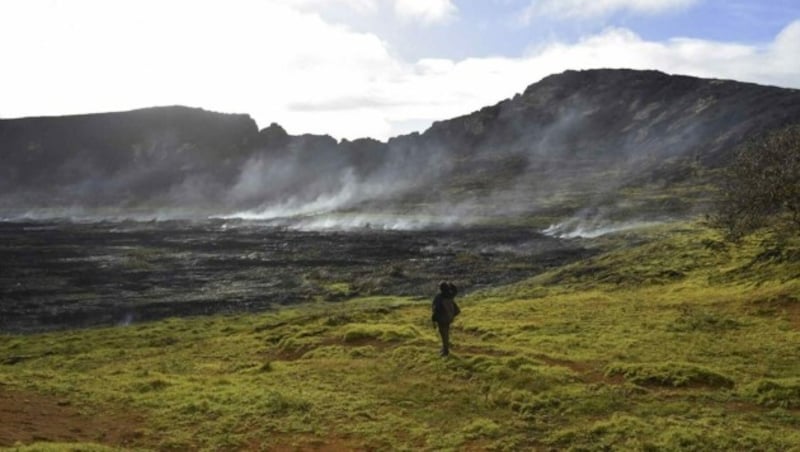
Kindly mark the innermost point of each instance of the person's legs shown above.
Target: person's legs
(444, 332)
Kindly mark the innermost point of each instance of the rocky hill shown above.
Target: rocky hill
(118, 158)
(597, 131)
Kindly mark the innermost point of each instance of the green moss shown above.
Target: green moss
(383, 332)
(783, 393)
(482, 428)
(670, 374)
(63, 447)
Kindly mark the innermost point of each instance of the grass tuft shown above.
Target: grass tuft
(783, 393)
(670, 374)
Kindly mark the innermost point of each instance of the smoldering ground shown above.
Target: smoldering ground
(67, 274)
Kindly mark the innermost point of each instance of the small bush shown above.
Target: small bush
(537, 403)
(155, 384)
(359, 334)
(278, 404)
(777, 393)
(383, 332)
(692, 321)
(482, 428)
(670, 374)
(762, 183)
(338, 319)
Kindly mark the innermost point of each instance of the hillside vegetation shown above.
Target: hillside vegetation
(672, 340)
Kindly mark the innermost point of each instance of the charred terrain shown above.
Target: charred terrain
(59, 274)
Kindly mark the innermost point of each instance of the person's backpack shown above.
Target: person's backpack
(453, 292)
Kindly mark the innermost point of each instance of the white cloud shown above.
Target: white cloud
(243, 56)
(435, 89)
(360, 6)
(284, 64)
(772, 63)
(595, 8)
(425, 11)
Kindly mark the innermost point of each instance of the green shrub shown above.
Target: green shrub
(670, 374)
(155, 384)
(783, 393)
(693, 321)
(383, 332)
(482, 428)
(761, 184)
(279, 404)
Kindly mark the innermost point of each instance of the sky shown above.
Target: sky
(366, 68)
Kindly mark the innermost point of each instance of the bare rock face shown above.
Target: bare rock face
(568, 129)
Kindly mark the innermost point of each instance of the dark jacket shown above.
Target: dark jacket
(444, 306)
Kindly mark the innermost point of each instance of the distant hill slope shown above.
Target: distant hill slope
(619, 114)
(113, 158)
(580, 131)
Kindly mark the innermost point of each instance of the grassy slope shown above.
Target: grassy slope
(671, 340)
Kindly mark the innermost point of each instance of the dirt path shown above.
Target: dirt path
(27, 417)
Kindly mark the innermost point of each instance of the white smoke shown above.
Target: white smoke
(382, 222)
(126, 320)
(350, 191)
(593, 228)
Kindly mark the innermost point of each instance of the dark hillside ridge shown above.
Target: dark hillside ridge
(106, 157)
(568, 130)
(613, 114)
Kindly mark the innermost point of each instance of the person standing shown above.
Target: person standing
(445, 310)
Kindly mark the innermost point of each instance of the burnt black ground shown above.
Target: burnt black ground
(56, 275)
